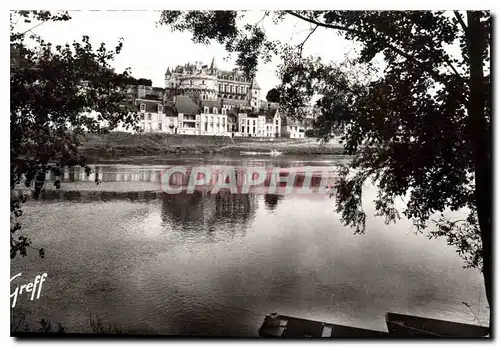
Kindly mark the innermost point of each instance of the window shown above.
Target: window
(160, 126)
(215, 110)
(191, 82)
(277, 120)
(224, 111)
(160, 108)
(230, 89)
(142, 116)
(220, 88)
(206, 126)
(203, 82)
(205, 110)
(142, 107)
(149, 116)
(255, 92)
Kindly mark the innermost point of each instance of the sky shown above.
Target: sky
(149, 49)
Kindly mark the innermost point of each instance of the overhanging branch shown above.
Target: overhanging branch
(388, 45)
(461, 21)
(307, 38)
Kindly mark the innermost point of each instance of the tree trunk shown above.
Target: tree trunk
(480, 135)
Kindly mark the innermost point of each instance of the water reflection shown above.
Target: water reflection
(176, 264)
(107, 174)
(98, 195)
(272, 200)
(148, 179)
(222, 211)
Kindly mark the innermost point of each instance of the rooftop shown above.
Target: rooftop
(183, 104)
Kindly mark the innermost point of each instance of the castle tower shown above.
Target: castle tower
(168, 78)
(254, 94)
(213, 67)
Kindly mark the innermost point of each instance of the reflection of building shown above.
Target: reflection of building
(272, 200)
(213, 212)
(112, 174)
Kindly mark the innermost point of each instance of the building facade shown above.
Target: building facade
(207, 82)
(203, 100)
(293, 128)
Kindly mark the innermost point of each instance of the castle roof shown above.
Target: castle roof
(254, 85)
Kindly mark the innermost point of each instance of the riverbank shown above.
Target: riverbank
(115, 145)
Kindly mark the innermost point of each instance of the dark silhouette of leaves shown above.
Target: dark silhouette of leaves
(53, 90)
(420, 131)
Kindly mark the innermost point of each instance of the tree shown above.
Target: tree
(144, 82)
(273, 95)
(57, 94)
(421, 131)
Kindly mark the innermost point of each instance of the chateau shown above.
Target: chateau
(200, 99)
(203, 82)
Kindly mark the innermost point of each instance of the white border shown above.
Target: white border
(145, 4)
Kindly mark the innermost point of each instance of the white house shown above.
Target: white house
(292, 128)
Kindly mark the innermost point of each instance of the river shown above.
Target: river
(200, 264)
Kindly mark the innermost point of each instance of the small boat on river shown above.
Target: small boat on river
(401, 325)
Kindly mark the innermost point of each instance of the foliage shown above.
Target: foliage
(311, 133)
(144, 82)
(273, 95)
(248, 42)
(54, 93)
(20, 326)
(420, 131)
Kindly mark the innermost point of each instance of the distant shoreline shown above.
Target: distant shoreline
(116, 145)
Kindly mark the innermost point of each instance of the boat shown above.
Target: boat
(279, 326)
(274, 153)
(401, 325)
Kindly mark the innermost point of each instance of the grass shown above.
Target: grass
(22, 328)
(115, 145)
